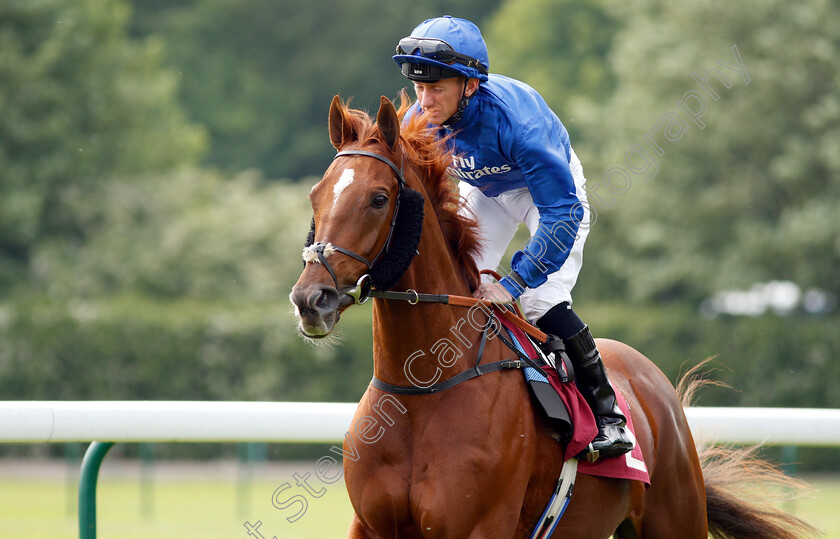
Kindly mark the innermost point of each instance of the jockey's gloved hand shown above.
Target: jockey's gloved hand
(493, 292)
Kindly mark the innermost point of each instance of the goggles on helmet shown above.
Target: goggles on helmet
(427, 73)
(438, 50)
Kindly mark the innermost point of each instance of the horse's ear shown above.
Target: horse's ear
(339, 128)
(388, 122)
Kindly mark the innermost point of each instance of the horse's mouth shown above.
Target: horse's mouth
(317, 330)
(317, 309)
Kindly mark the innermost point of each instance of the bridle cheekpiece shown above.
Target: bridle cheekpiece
(318, 252)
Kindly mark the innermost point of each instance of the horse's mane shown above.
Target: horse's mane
(429, 156)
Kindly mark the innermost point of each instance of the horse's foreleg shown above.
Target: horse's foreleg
(358, 530)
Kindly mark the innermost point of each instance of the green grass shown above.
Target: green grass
(214, 508)
(179, 509)
(820, 507)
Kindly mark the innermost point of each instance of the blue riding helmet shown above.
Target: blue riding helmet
(441, 48)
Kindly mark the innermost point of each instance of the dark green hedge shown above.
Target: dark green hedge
(768, 360)
(134, 348)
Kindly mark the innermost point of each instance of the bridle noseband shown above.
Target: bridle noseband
(360, 292)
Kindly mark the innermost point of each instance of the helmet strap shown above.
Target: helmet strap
(462, 104)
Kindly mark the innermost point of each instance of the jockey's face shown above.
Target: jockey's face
(439, 100)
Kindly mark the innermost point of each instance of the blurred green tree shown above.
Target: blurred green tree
(190, 233)
(719, 164)
(80, 103)
(260, 74)
(748, 192)
(560, 47)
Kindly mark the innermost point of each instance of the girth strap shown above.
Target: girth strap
(522, 356)
(559, 501)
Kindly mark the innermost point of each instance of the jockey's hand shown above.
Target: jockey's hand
(493, 292)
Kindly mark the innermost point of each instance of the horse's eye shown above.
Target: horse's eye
(379, 201)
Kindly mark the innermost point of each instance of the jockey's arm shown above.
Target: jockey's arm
(545, 161)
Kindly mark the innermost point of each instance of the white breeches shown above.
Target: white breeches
(498, 218)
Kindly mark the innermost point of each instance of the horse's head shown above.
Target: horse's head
(366, 223)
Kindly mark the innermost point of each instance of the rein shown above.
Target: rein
(413, 297)
(363, 290)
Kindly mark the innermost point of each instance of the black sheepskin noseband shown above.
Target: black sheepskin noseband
(388, 270)
(407, 230)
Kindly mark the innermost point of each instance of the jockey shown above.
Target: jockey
(516, 165)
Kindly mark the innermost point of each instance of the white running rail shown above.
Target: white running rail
(294, 422)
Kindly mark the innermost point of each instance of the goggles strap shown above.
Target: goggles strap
(462, 104)
(455, 57)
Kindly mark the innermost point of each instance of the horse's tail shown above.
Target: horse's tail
(732, 512)
(731, 515)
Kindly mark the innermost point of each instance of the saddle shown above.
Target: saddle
(543, 359)
(568, 412)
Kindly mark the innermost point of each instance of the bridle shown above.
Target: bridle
(364, 287)
(360, 292)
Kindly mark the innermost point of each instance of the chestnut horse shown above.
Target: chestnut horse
(474, 461)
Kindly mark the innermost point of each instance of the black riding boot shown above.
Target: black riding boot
(591, 378)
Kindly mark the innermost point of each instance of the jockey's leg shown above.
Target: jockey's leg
(496, 227)
(591, 378)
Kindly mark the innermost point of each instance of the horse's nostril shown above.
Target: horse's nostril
(316, 300)
(324, 300)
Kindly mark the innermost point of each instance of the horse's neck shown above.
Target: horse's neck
(405, 336)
